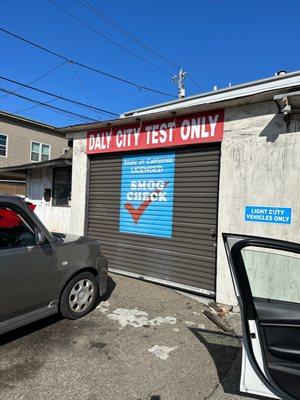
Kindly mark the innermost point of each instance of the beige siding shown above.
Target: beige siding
(19, 142)
(11, 187)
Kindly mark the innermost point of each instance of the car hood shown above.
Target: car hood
(71, 238)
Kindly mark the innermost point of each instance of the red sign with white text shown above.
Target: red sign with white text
(196, 128)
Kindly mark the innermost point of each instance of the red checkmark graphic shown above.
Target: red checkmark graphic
(136, 213)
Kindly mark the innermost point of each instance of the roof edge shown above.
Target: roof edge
(271, 82)
(260, 90)
(42, 164)
(19, 118)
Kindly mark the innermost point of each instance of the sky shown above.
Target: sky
(218, 42)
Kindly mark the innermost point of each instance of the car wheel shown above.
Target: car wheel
(79, 296)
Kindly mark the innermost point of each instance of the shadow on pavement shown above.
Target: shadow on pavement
(111, 285)
(28, 329)
(46, 322)
(226, 351)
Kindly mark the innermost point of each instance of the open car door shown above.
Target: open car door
(266, 275)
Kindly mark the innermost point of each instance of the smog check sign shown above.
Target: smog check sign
(272, 215)
(147, 186)
(192, 129)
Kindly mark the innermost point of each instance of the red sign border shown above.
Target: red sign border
(218, 137)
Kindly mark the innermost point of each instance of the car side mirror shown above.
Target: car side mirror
(41, 238)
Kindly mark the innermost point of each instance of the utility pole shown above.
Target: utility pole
(180, 80)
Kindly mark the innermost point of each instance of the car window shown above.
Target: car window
(14, 230)
(273, 274)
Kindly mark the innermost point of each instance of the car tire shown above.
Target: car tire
(79, 296)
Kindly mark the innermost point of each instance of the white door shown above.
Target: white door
(35, 186)
(266, 273)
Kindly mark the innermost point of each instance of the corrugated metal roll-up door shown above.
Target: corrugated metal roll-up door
(188, 258)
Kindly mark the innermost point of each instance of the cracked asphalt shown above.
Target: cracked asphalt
(106, 356)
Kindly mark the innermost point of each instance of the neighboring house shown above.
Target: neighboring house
(24, 141)
(48, 186)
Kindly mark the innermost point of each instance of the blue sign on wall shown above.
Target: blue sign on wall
(272, 215)
(146, 206)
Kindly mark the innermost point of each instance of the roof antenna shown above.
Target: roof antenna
(180, 80)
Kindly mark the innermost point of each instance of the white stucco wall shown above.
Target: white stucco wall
(260, 165)
(79, 177)
(55, 219)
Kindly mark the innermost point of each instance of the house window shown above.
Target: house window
(61, 186)
(39, 152)
(3, 145)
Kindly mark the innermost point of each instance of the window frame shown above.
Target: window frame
(254, 321)
(32, 225)
(6, 146)
(41, 144)
(239, 269)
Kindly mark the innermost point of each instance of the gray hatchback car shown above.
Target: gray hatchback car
(42, 273)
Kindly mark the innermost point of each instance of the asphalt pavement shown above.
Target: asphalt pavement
(143, 342)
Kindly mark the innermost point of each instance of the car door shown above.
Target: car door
(266, 275)
(28, 273)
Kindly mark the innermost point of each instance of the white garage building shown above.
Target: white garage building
(160, 185)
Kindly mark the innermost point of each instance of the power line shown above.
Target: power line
(100, 14)
(82, 86)
(195, 82)
(32, 107)
(84, 65)
(37, 79)
(108, 38)
(44, 104)
(134, 38)
(79, 103)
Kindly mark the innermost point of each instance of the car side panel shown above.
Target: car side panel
(28, 279)
(28, 318)
(73, 257)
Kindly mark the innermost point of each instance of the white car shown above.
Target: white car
(266, 275)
